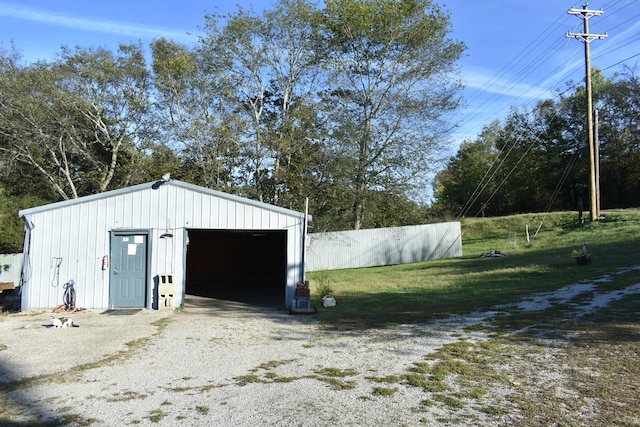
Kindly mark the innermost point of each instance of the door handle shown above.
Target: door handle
(115, 271)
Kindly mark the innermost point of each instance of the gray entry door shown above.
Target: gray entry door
(128, 270)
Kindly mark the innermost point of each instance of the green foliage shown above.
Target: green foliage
(323, 287)
(306, 100)
(11, 238)
(203, 410)
(384, 391)
(77, 120)
(385, 130)
(333, 377)
(11, 235)
(536, 161)
(195, 120)
(386, 209)
(455, 187)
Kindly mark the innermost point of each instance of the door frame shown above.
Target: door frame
(148, 289)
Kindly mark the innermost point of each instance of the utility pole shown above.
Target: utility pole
(596, 147)
(587, 38)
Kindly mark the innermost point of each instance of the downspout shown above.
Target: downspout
(304, 239)
(25, 275)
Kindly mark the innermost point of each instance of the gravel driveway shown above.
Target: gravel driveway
(238, 367)
(229, 365)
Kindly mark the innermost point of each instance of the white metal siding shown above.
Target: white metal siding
(10, 268)
(383, 246)
(78, 231)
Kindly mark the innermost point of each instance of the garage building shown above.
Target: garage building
(121, 246)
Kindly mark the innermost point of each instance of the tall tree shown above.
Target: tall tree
(111, 91)
(555, 158)
(542, 160)
(572, 108)
(267, 66)
(196, 119)
(390, 64)
(237, 51)
(293, 129)
(519, 187)
(75, 119)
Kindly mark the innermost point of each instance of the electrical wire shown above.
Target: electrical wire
(510, 84)
(534, 64)
(547, 51)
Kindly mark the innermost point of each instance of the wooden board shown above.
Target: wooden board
(5, 286)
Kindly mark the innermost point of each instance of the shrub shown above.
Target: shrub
(323, 287)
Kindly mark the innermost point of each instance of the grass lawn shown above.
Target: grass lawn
(373, 297)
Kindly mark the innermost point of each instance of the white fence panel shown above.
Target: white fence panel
(10, 268)
(346, 249)
(383, 246)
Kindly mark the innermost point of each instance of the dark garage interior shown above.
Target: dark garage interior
(246, 266)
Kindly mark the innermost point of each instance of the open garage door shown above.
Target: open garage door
(247, 266)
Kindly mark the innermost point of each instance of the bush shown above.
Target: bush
(323, 287)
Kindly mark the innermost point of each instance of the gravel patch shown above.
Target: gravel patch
(243, 366)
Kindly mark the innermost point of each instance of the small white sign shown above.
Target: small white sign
(138, 239)
(132, 249)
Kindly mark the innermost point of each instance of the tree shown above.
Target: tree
(112, 92)
(393, 210)
(520, 165)
(27, 108)
(561, 159)
(468, 179)
(236, 52)
(522, 185)
(11, 238)
(541, 158)
(619, 134)
(293, 128)
(75, 119)
(390, 66)
(267, 65)
(195, 117)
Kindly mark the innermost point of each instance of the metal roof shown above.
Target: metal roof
(157, 184)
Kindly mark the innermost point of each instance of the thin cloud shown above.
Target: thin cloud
(603, 53)
(486, 82)
(92, 24)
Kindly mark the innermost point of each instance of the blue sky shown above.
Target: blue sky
(517, 50)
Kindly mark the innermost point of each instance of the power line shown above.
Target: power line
(621, 62)
(539, 59)
(506, 86)
(558, 73)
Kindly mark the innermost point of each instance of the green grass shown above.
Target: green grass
(384, 391)
(156, 415)
(380, 296)
(203, 410)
